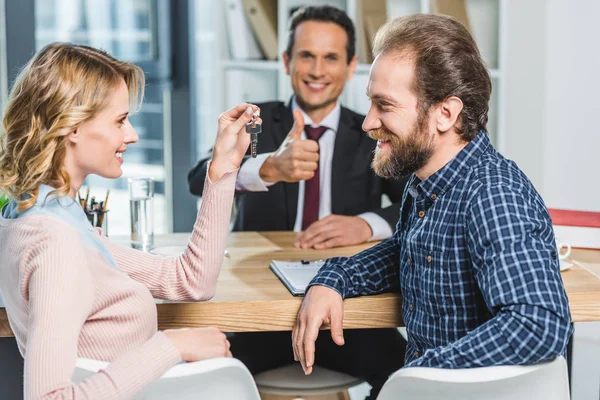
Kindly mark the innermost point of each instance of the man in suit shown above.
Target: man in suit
(322, 186)
(313, 175)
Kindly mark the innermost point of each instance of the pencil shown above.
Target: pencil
(101, 216)
(81, 202)
(87, 195)
(106, 200)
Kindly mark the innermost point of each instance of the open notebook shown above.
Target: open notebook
(296, 275)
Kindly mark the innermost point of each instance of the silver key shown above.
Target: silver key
(253, 129)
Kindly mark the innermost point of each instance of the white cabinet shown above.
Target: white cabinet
(233, 81)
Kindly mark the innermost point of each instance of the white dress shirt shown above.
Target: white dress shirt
(249, 177)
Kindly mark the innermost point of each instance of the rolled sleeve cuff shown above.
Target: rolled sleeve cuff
(330, 278)
(379, 226)
(249, 175)
(209, 182)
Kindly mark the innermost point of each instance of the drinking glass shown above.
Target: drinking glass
(141, 204)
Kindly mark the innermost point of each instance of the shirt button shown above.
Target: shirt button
(409, 262)
(421, 214)
(411, 308)
(429, 259)
(417, 354)
(433, 196)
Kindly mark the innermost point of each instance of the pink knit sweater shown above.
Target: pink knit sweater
(64, 300)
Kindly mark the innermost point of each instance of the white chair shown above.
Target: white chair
(219, 378)
(548, 381)
(290, 382)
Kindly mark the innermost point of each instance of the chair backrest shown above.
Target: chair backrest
(548, 381)
(219, 378)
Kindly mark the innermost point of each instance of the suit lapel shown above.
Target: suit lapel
(346, 142)
(282, 123)
(283, 120)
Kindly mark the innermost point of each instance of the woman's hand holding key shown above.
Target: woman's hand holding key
(232, 140)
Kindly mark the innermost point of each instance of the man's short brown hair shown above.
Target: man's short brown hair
(447, 63)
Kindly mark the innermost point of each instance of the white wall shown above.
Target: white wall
(572, 104)
(552, 98)
(524, 87)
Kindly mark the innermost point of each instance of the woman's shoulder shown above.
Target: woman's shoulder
(36, 226)
(40, 246)
(29, 235)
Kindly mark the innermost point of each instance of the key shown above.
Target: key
(253, 129)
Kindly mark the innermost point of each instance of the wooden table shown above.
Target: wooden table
(251, 298)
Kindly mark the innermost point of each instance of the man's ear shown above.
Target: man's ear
(286, 62)
(352, 67)
(448, 112)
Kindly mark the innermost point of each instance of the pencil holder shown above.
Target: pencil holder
(98, 219)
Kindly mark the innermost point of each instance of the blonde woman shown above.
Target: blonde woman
(69, 292)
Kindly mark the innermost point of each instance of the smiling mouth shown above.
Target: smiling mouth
(119, 156)
(316, 86)
(383, 144)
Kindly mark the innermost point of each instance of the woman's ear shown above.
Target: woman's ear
(74, 136)
(448, 112)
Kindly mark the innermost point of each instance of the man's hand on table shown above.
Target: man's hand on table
(320, 305)
(334, 231)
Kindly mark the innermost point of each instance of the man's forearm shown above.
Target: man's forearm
(518, 335)
(249, 178)
(380, 228)
(268, 171)
(354, 276)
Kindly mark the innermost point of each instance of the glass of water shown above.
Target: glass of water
(141, 203)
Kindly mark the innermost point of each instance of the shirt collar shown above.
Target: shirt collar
(66, 203)
(10, 210)
(331, 121)
(443, 179)
(51, 203)
(66, 209)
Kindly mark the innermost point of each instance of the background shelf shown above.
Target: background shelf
(229, 81)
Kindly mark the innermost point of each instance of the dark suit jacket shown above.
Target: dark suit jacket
(355, 187)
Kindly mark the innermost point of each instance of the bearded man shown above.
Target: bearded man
(474, 253)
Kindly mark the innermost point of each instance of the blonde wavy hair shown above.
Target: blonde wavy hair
(61, 87)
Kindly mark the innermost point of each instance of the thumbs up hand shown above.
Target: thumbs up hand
(295, 160)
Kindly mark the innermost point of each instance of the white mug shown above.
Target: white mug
(564, 250)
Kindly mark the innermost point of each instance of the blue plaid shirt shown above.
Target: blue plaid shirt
(476, 262)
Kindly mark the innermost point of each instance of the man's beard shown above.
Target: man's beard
(404, 155)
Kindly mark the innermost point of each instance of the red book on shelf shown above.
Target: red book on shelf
(578, 228)
(588, 219)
